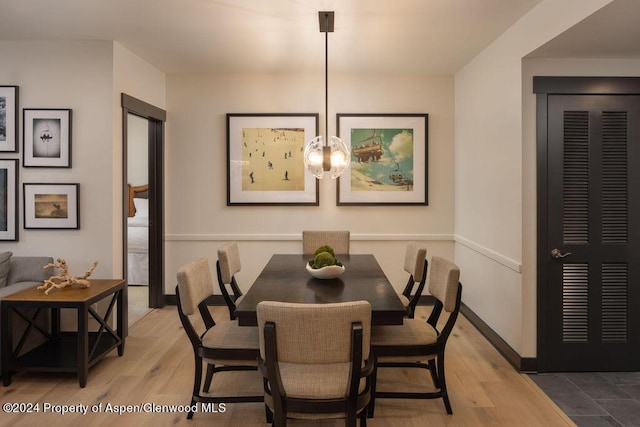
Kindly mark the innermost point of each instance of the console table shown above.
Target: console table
(65, 351)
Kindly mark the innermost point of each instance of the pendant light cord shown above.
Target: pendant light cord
(326, 81)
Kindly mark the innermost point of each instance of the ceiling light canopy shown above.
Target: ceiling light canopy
(326, 156)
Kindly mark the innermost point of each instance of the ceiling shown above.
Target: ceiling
(274, 36)
(281, 36)
(611, 32)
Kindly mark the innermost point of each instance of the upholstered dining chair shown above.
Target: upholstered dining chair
(224, 346)
(312, 239)
(315, 360)
(227, 266)
(419, 340)
(415, 263)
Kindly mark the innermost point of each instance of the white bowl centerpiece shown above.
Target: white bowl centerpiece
(324, 264)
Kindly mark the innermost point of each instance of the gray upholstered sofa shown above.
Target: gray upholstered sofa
(18, 273)
(24, 272)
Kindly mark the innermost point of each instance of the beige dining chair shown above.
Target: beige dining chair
(227, 266)
(416, 339)
(315, 359)
(224, 346)
(312, 239)
(415, 263)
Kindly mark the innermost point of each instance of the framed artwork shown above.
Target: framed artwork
(389, 159)
(265, 159)
(8, 119)
(51, 206)
(9, 199)
(46, 138)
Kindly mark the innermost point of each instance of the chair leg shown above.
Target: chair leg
(372, 403)
(434, 373)
(363, 417)
(268, 414)
(443, 383)
(208, 378)
(197, 380)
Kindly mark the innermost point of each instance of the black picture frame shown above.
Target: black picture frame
(46, 137)
(389, 159)
(9, 200)
(51, 206)
(265, 159)
(9, 119)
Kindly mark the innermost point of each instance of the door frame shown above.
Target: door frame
(156, 118)
(544, 86)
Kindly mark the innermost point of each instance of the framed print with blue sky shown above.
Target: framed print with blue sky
(389, 159)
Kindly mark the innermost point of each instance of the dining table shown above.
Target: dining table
(286, 279)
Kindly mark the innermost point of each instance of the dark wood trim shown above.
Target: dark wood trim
(586, 85)
(142, 108)
(526, 364)
(542, 229)
(156, 118)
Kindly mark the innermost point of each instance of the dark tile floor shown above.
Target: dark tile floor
(595, 398)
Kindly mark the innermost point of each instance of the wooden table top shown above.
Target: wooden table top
(99, 288)
(285, 278)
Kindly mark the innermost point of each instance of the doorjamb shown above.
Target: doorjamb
(156, 118)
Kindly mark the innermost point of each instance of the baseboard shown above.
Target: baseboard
(522, 364)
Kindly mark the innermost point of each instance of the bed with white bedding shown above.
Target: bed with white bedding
(138, 237)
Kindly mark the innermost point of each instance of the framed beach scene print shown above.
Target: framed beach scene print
(265, 159)
(46, 138)
(389, 159)
(8, 118)
(9, 199)
(51, 206)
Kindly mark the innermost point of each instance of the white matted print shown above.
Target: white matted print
(8, 118)
(389, 159)
(47, 138)
(265, 159)
(51, 206)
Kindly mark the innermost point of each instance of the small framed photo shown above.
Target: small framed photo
(46, 138)
(389, 159)
(51, 206)
(265, 159)
(9, 119)
(9, 199)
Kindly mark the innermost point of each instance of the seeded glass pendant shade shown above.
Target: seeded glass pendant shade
(327, 155)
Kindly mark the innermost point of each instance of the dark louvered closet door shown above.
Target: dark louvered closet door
(594, 229)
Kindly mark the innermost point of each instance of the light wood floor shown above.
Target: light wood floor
(157, 368)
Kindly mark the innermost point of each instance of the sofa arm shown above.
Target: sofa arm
(29, 269)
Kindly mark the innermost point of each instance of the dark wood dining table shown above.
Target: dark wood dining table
(286, 279)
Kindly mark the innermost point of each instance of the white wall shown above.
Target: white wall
(76, 75)
(135, 77)
(197, 218)
(489, 186)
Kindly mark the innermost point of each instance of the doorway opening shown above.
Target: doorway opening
(143, 201)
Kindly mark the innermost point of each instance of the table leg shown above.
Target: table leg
(122, 323)
(7, 339)
(83, 344)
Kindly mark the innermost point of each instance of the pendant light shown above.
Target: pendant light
(328, 155)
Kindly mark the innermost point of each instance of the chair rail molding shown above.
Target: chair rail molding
(495, 256)
(298, 236)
